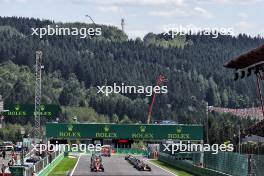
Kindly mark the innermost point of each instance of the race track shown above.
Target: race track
(115, 166)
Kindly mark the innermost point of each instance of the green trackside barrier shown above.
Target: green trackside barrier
(196, 158)
(17, 170)
(187, 166)
(66, 154)
(229, 162)
(257, 164)
(183, 156)
(52, 165)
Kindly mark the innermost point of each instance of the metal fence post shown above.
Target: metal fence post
(249, 165)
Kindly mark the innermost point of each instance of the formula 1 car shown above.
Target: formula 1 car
(127, 157)
(132, 160)
(106, 150)
(139, 165)
(96, 163)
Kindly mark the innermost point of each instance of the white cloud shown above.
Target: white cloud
(247, 27)
(162, 13)
(242, 15)
(14, 1)
(132, 2)
(182, 12)
(150, 2)
(244, 24)
(203, 12)
(171, 13)
(241, 2)
(177, 3)
(111, 8)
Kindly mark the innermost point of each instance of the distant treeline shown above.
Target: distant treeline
(74, 67)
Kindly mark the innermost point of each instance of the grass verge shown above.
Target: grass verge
(166, 166)
(63, 167)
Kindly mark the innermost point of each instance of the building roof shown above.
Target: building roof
(250, 58)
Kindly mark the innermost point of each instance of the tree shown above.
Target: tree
(125, 120)
(115, 119)
(72, 93)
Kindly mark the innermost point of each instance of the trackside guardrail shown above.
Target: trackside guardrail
(44, 167)
(257, 165)
(228, 162)
(189, 167)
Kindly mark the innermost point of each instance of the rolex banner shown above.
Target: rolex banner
(114, 131)
(28, 110)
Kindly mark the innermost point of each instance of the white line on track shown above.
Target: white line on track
(75, 165)
(161, 167)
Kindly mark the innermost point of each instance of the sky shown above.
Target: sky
(144, 16)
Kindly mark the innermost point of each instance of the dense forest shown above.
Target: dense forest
(74, 67)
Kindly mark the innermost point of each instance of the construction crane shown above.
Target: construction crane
(161, 79)
(88, 16)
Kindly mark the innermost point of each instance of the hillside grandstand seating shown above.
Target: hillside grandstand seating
(257, 129)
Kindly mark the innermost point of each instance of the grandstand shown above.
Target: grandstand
(248, 62)
(253, 113)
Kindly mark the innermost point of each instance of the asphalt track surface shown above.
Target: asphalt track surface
(115, 166)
